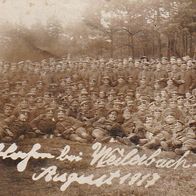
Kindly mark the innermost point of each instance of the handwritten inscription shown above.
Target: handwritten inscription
(102, 156)
(51, 174)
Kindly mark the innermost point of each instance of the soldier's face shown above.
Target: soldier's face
(80, 86)
(137, 64)
(112, 116)
(23, 117)
(49, 115)
(157, 114)
(142, 107)
(8, 111)
(149, 120)
(46, 98)
(164, 61)
(169, 82)
(130, 80)
(85, 107)
(180, 101)
(39, 104)
(60, 116)
(13, 68)
(172, 104)
(23, 104)
(189, 64)
(126, 115)
(13, 99)
(110, 98)
(178, 126)
(163, 104)
(120, 80)
(179, 61)
(106, 81)
(74, 88)
(172, 61)
(127, 98)
(92, 83)
(102, 95)
(156, 86)
(39, 86)
(188, 95)
(31, 99)
(170, 119)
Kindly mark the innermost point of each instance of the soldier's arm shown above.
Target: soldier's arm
(34, 122)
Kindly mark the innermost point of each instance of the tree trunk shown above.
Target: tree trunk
(132, 47)
(159, 45)
(191, 46)
(111, 45)
(168, 48)
(129, 44)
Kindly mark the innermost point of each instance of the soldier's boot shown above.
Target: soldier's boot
(179, 151)
(124, 140)
(164, 146)
(143, 141)
(7, 139)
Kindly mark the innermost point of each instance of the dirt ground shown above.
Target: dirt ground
(179, 182)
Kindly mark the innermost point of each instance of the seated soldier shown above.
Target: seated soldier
(44, 125)
(164, 135)
(106, 128)
(187, 140)
(70, 128)
(6, 118)
(19, 128)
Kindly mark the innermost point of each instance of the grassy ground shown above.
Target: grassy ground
(180, 182)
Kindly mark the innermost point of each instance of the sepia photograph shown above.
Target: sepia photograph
(97, 97)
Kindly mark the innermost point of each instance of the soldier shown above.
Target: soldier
(187, 139)
(106, 86)
(163, 137)
(71, 129)
(161, 76)
(105, 128)
(44, 124)
(6, 118)
(20, 126)
(73, 109)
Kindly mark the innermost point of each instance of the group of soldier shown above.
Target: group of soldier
(145, 103)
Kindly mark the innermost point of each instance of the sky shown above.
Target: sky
(27, 12)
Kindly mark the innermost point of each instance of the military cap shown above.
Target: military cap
(14, 94)
(192, 123)
(164, 58)
(117, 102)
(84, 92)
(112, 110)
(112, 92)
(39, 82)
(169, 113)
(9, 105)
(180, 97)
(24, 111)
(84, 102)
(49, 109)
(39, 100)
(74, 101)
(18, 82)
(60, 113)
(4, 81)
(106, 77)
